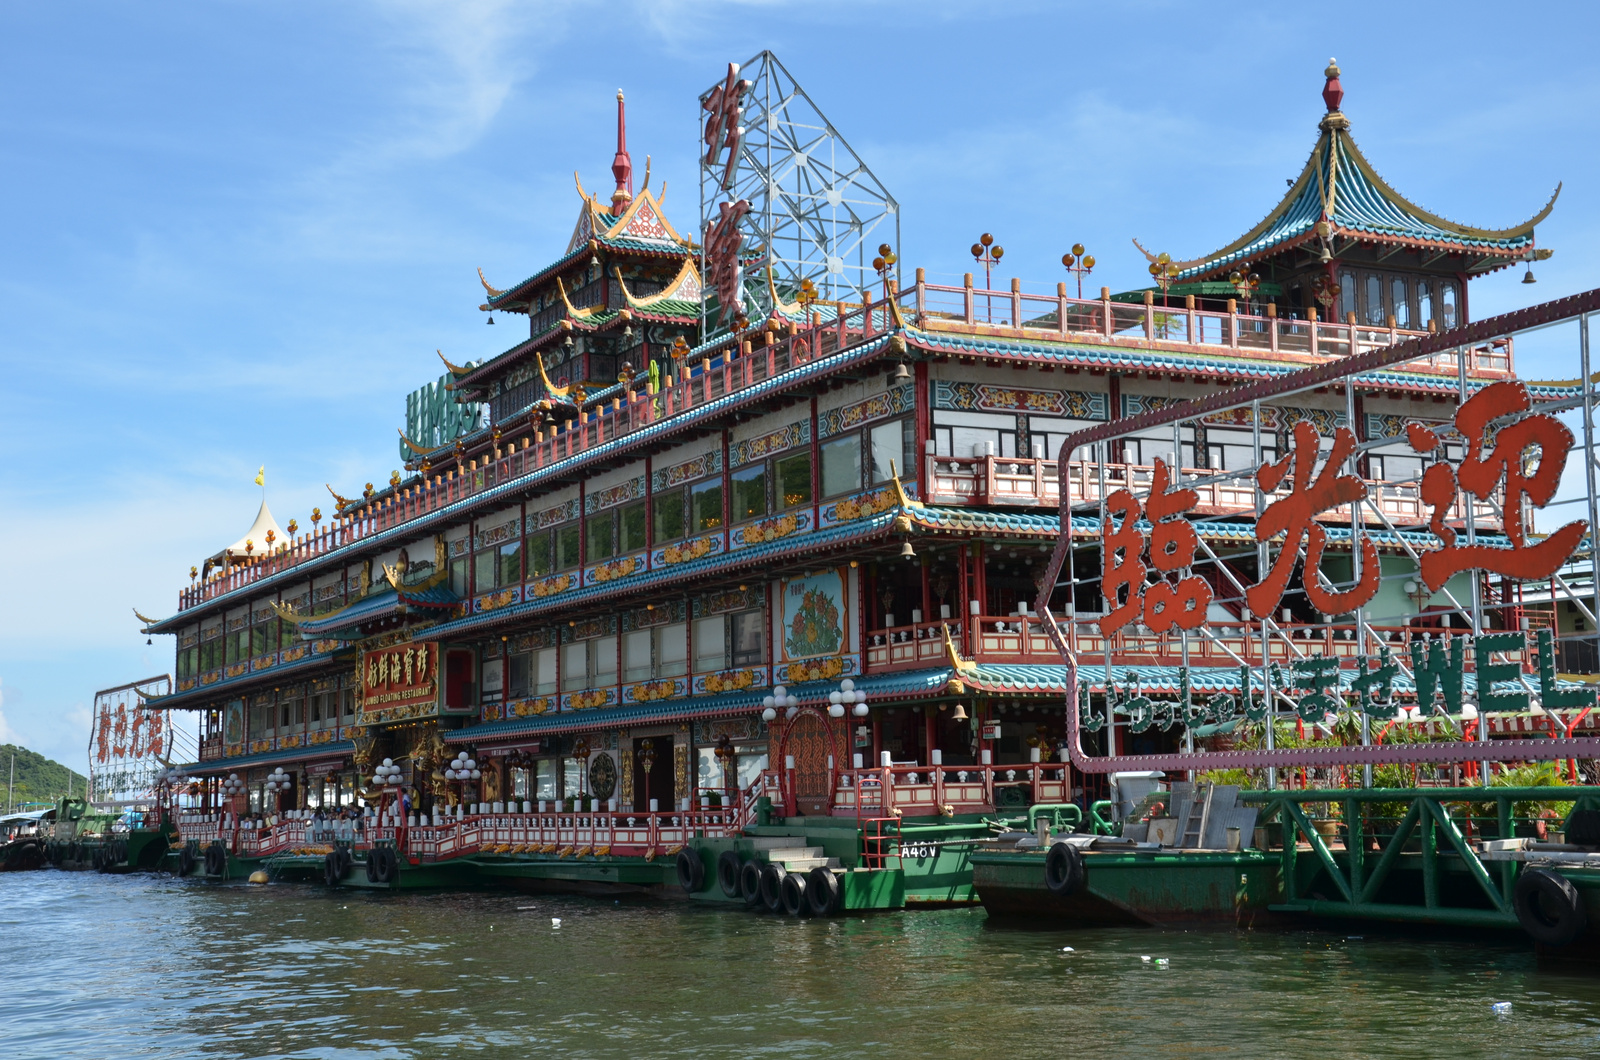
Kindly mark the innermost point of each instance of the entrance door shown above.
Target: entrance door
(810, 743)
(658, 783)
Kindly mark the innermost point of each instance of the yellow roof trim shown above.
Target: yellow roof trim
(616, 231)
(586, 313)
(687, 271)
(451, 368)
(494, 292)
(413, 446)
(550, 388)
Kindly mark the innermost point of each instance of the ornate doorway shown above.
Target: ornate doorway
(810, 740)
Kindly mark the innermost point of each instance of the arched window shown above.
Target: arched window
(1424, 302)
(1347, 294)
(1447, 303)
(1400, 301)
(1374, 299)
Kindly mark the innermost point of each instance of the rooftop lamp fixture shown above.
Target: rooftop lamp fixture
(1245, 282)
(1164, 272)
(1079, 264)
(987, 252)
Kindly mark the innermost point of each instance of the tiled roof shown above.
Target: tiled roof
(267, 758)
(204, 695)
(640, 246)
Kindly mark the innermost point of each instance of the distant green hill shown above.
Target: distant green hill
(38, 778)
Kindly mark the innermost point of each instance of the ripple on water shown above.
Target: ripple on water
(134, 966)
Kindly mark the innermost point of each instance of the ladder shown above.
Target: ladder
(1194, 825)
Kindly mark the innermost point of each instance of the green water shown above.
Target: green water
(135, 966)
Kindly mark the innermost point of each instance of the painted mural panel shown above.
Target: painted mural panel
(814, 616)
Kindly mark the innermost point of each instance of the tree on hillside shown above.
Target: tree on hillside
(37, 778)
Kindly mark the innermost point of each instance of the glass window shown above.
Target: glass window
(672, 650)
(458, 576)
(1447, 304)
(1424, 303)
(259, 636)
(568, 542)
(1374, 298)
(794, 480)
(888, 444)
(574, 666)
(633, 519)
(749, 638)
(841, 465)
(544, 782)
(1400, 301)
(519, 675)
(544, 671)
(636, 656)
(510, 563)
(571, 777)
(750, 492)
(602, 529)
(484, 566)
(538, 549)
(1347, 294)
(603, 660)
(710, 644)
(667, 511)
(492, 679)
(705, 500)
(750, 763)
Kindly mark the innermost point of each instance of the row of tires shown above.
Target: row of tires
(103, 856)
(382, 865)
(764, 885)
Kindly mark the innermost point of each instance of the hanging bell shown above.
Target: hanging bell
(901, 374)
(907, 552)
(1527, 277)
(960, 713)
(491, 320)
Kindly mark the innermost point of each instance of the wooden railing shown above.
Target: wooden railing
(917, 790)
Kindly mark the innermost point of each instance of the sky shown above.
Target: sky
(232, 234)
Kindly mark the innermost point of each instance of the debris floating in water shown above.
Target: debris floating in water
(1501, 1008)
(1162, 961)
(555, 921)
(1067, 949)
(1145, 959)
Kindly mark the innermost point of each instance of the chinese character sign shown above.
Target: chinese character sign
(403, 674)
(1175, 599)
(723, 115)
(724, 268)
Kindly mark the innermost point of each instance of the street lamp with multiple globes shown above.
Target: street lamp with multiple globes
(848, 696)
(463, 771)
(987, 252)
(1245, 282)
(278, 782)
(884, 264)
(1164, 272)
(1079, 264)
(780, 698)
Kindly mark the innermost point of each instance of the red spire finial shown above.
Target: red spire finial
(1332, 91)
(622, 166)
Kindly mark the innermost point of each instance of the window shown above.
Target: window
(569, 544)
(492, 680)
(750, 492)
(633, 519)
(602, 533)
(1046, 435)
(1447, 304)
(841, 465)
(672, 650)
(749, 638)
(1347, 294)
(974, 434)
(544, 671)
(637, 660)
(1424, 303)
(1235, 450)
(485, 564)
(710, 644)
(262, 638)
(519, 675)
(574, 666)
(794, 479)
(603, 660)
(1400, 301)
(538, 553)
(510, 572)
(1143, 449)
(1374, 298)
(667, 513)
(889, 443)
(545, 788)
(458, 576)
(705, 501)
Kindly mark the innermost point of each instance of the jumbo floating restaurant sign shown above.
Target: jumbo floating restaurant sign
(405, 675)
(1509, 450)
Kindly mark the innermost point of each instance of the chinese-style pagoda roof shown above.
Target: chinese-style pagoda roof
(1338, 185)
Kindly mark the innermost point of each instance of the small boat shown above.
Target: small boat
(22, 841)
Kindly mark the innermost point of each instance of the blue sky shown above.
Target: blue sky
(233, 234)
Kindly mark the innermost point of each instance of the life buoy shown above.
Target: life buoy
(691, 871)
(792, 892)
(822, 891)
(772, 876)
(1063, 869)
(728, 866)
(750, 883)
(1549, 908)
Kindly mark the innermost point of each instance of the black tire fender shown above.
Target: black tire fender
(728, 866)
(691, 871)
(822, 891)
(330, 869)
(1063, 869)
(792, 891)
(750, 883)
(1549, 908)
(772, 876)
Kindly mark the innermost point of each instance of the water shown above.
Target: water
(133, 966)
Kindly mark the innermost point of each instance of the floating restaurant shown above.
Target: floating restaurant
(758, 561)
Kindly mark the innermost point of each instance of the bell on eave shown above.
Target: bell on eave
(491, 320)
(901, 374)
(907, 552)
(1527, 277)
(960, 713)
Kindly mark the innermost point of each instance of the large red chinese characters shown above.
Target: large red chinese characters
(723, 131)
(1173, 600)
(724, 266)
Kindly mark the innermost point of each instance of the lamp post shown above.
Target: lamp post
(848, 697)
(1079, 264)
(987, 252)
(884, 263)
(462, 771)
(386, 778)
(1245, 282)
(1164, 272)
(278, 782)
(780, 698)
